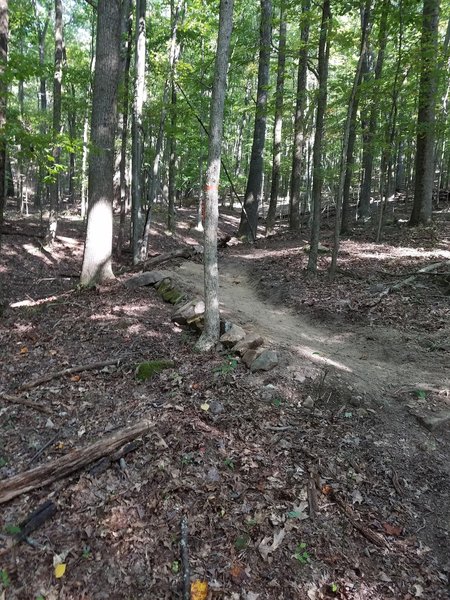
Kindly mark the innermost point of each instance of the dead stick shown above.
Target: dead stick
(73, 461)
(41, 450)
(89, 367)
(185, 559)
(370, 535)
(28, 403)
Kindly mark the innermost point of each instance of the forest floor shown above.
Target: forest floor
(327, 477)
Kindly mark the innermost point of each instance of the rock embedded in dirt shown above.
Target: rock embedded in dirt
(308, 402)
(234, 335)
(435, 421)
(189, 312)
(266, 361)
(146, 278)
(250, 356)
(250, 342)
(168, 292)
(216, 407)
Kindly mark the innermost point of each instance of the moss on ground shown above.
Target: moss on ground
(148, 369)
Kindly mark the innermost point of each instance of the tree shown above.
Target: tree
(97, 266)
(3, 100)
(249, 216)
(299, 120)
(324, 55)
(56, 128)
(211, 330)
(278, 124)
(423, 189)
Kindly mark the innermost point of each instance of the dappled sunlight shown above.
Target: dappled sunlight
(31, 302)
(318, 358)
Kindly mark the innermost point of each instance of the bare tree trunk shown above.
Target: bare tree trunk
(249, 215)
(172, 161)
(299, 124)
(56, 127)
(136, 131)
(211, 330)
(278, 124)
(4, 33)
(97, 266)
(324, 55)
(84, 159)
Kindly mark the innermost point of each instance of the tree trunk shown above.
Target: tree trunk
(172, 161)
(324, 55)
(249, 215)
(299, 121)
(211, 330)
(277, 129)
(351, 115)
(97, 265)
(56, 127)
(4, 31)
(370, 129)
(136, 131)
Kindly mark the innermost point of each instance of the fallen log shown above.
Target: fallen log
(71, 462)
(179, 253)
(426, 269)
(27, 403)
(69, 371)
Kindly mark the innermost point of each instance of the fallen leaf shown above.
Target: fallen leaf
(237, 574)
(75, 378)
(199, 590)
(60, 569)
(205, 407)
(418, 590)
(357, 497)
(265, 548)
(24, 350)
(394, 530)
(327, 489)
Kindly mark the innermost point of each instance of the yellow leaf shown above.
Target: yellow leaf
(60, 570)
(205, 407)
(24, 350)
(75, 378)
(199, 590)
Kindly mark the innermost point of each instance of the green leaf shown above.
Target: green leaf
(241, 542)
(421, 394)
(11, 529)
(4, 578)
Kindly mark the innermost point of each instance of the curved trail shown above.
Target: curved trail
(374, 360)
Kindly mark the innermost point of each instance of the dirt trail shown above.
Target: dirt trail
(373, 360)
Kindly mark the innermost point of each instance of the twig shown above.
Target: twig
(36, 519)
(396, 483)
(41, 450)
(89, 367)
(184, 548)
(28, 403)
(312, 495)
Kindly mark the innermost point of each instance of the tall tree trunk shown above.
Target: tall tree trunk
(124, 137)
(41, 31)
(370, 126)
(4, 32)
(136, 131)
(172, 161)
(351, 115)
(72, 122)
(56, 126)
(84, 159)
(324, 56)
(278, 124)
(299, 121)
(211, 330)
(97, 265)
(249, 215)
(423, 189)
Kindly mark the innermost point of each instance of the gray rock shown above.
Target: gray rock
(234, 335)
(189, 312)
(250, 356)
(250, 342)
(216, 407)
(435, 421)
(213, 474)
(147, 278)
(266, 361)
(308, 402)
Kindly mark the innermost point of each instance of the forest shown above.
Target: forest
(224, 299)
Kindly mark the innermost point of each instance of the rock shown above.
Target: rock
(435, 421)
(234, 335)
(216, 407)
(189, 312)
(213, 474)
(250, 342)
(300, 377)
(168, 291)
(147, 278)
(266, 361)
(268, 393)
(251, 355)
(308, 402)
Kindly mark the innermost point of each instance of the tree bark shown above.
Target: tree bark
(423, 188)
(324, 55)
(211, 329)
(278, 124)
(4, 32)
(97, 265)
(299, 121)
(249, 215)
(56, 127)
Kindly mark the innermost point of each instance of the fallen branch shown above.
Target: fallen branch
(412, 278)
(179, 253)
(104, 463)
(27, 403)
(71, 462)
(36, 519)
(69, 371)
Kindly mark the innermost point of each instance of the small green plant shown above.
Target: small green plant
(241, 542)
(334, 588)
(277, 401)
(301, 554)
(187, 459)
(4, 578)
(3, 462)
(11, 529)
(421, 394)
(148, 369)
(228, 462)
(86, 552)
(228, 366)
(175, 567)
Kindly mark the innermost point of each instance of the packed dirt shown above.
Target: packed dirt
(324, 478)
